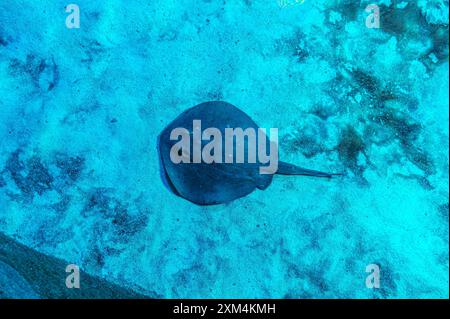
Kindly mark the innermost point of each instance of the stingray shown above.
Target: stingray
(217, 182)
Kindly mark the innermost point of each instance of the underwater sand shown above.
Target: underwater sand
(81, 109)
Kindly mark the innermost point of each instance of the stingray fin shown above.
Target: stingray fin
(290, 169)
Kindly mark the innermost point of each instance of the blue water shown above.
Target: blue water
(81, 109)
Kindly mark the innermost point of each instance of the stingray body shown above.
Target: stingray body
(216, 183)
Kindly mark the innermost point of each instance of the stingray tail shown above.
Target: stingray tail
(290, 169)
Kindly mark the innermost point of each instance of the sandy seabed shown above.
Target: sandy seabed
(81, 109)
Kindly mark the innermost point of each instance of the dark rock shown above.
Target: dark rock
(45, 276)
(70, 166)
(349, 147)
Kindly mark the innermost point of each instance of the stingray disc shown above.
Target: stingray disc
(213, 183)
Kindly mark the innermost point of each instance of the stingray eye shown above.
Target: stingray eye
(180, 152)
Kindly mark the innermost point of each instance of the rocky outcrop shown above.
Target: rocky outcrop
(26, 274)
